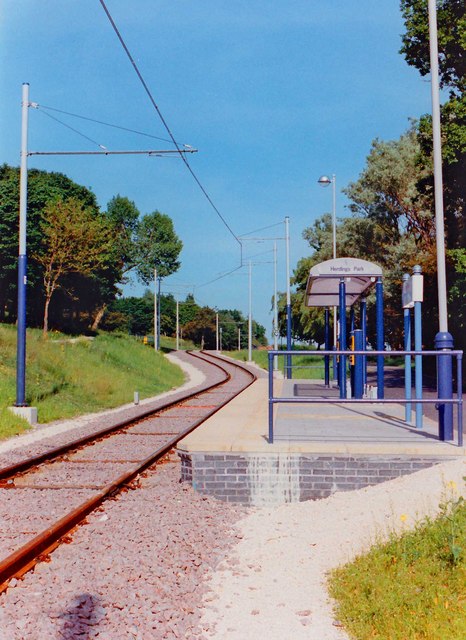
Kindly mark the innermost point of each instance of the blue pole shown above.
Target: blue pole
(407, 347)
(351, 346)
(22, 260)
(270, 398)
(363, 314)
(288, 341)
(380, 336)
(444, 342)
(342, 369)
(21, 331)
(358, 376)
(459, 382)
(418, 362)
(158, 314)
(327, 347)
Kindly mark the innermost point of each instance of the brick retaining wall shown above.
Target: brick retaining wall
(258, 479)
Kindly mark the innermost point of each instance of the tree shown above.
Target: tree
(134, 315)
(387, 190)
(43, 187)
(74, 240)
(188, 309)
(202, 329)
(451, 25)
(122, 216)
(157, 246)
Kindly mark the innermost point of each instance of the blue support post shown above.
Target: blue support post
(459, 396)
(358, 376)
(288, 341)
(159, 317)
(22, 253)
(418, 362)
(327, 347)
(270, 398)
(444, 342)
(380, 336)
(351, 346)
(21, 332)
(363, 314)
(342, 368)
(407, 346)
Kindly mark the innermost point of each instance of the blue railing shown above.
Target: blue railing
(458, 401)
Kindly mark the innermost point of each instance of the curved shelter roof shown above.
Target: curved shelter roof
(323, 283)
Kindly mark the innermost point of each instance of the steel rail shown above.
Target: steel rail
(24, 558)
(56, 452)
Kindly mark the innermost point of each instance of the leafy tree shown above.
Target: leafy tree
(188, 309)
(157, 246)
(387, 192)
(202, 328)
(122, 216)
(74, 240)
(135, 315)
(43, 187)
(451, 25)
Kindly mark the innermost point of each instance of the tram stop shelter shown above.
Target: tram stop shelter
(342, 282)
(323, 284)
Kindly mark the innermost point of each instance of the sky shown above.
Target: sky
(273, 95)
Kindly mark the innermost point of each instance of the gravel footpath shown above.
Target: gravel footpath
(272, 584)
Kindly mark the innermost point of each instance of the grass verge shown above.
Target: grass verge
(302, 366)
(413, 587)
(69, 378)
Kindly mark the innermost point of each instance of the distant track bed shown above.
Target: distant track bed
(45, 496)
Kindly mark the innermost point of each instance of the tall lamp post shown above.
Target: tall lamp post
(325, 181)
(443, 339)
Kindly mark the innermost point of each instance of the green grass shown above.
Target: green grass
(66, 379)
(169, 344)
(413, 587)
(303, 367)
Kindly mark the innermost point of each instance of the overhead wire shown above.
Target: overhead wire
(223, 275)
(107, 124)
(270, 226)
(83, 135)
(167, 128)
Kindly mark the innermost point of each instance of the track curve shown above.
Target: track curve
(72, 480)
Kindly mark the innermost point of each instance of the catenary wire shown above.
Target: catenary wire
(159, 113)
(108, 124)
(270, 226)
(49, 115)
(223, 275)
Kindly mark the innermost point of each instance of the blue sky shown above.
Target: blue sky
(273, 94)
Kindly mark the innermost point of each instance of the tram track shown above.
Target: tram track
(71, 474)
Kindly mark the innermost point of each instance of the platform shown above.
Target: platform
(317, 449)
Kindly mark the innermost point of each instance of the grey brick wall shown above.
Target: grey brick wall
(266, 479)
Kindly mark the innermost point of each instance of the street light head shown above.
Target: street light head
(324, 181)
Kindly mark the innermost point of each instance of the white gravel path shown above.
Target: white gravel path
(272, 584)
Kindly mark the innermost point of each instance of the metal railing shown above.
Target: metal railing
(458, 401)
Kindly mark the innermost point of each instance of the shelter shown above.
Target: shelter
(323, 284)
(340, 283)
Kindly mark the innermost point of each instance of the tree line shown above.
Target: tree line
(392, 221)
(79, 256)
(197, 323)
